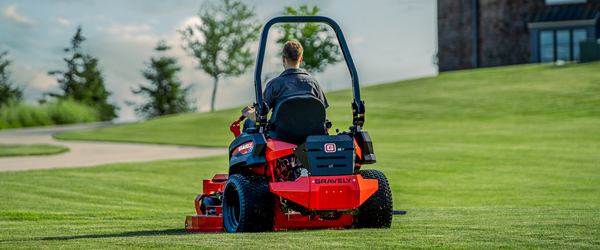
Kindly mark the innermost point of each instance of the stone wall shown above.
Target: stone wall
(455, 31)
(503, 36)
(503, 33)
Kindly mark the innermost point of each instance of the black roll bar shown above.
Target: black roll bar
(358, 107)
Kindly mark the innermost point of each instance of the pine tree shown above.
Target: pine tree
(83, 81)
(7, 92)
(166, 94)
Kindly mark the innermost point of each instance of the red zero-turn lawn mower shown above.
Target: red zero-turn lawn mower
(291, 174)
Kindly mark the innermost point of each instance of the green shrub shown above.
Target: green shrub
(19, 114)
(69, 111)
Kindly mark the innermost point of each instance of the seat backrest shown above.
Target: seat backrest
(297, 117)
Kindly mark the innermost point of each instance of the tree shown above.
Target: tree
(7, 92)
(166, 94)
(221, 50)
(83, 81)
(319, 48)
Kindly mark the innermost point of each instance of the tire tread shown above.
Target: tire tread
(377, 211)
(255, 196)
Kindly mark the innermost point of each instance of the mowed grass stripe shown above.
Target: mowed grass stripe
(97, 222)
(491, 227)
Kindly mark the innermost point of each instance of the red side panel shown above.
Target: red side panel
(217, 184)
(297, 191)
(197, 202)
(259, 170)
(334, 192)
(367, 188)
(204, 223)
(327, 192)
(220, 177)
(277, 149)
(358, 150)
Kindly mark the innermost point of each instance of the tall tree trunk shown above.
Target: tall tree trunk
(214, 94)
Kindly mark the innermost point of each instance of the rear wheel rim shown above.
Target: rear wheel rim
(233, 208)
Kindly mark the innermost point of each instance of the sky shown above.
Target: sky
(389, 40)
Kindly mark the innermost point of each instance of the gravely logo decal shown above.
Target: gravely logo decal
(333, 181)
(244, 148)
(329, 147)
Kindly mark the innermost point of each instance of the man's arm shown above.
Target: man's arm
(268, 98)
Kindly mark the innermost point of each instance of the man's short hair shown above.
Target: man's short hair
(293, 50)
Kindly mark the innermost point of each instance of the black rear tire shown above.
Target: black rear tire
(247, 204)
(377, 211)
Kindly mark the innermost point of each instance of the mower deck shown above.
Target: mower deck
(325, 193)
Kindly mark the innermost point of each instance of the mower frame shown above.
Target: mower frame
(358, 106)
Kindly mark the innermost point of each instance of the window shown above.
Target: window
(547, 46)
(551, 2)
(579, 35)
(561, 44)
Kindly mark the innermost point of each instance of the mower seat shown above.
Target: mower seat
(297, 117)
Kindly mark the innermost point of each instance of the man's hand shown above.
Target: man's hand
(250, 113)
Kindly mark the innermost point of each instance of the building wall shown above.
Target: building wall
(503, 33)
(503, 36)
(455, 31)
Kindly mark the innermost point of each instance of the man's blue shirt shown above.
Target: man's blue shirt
(292, 82)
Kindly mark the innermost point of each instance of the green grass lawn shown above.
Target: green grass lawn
(492, 158)
(30, 149)
(137, 205)
(205, 129)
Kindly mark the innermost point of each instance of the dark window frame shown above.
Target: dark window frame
(555, 44)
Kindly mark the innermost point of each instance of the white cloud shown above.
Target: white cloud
(43, 81)
(33, 77)
(122, 58)
(190, 21)
(63, 21)
(119, 29)
(11, 12)
(124, 49)
(355, 39)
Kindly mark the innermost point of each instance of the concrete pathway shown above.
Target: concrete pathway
(85, 153)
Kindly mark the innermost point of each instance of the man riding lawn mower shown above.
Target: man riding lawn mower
(288, 173)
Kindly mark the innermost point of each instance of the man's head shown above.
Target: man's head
(292, 54)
